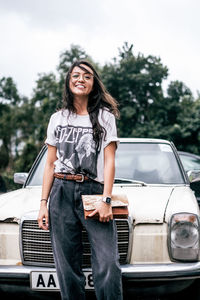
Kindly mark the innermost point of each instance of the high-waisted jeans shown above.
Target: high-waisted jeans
(66, 218)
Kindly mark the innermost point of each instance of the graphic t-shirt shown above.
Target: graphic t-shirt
(72, 135)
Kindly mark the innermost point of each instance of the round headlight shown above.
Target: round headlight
(184, 234)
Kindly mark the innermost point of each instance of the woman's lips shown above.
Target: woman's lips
(80, 86)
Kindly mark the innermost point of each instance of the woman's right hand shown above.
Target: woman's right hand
(46, 187)
(43, 214)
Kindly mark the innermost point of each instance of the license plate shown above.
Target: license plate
(48, 280)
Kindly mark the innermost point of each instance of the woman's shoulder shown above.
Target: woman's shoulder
(62, 113)
(106, 114)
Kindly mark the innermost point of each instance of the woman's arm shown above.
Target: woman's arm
(46, 186)
(104, 209)
(109, 168)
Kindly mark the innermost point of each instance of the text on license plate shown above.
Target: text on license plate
(48, 280)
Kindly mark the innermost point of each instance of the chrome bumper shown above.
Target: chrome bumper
(152, 272)
(158, 272)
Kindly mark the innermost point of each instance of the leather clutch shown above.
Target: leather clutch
(119, 204)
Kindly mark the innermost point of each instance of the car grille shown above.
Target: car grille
(36, 245)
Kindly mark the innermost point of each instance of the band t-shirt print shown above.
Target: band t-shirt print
(77, 150)
(72, 135)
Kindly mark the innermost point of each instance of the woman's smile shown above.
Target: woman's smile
(80, 86)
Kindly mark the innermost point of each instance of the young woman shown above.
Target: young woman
(82, 140)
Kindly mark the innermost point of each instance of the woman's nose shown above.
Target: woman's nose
(81, 77)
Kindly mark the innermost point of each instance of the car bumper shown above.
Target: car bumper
(155, 272)
(17, 278)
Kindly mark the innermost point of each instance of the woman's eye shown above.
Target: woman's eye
(75, 76)
(84, 76)
(87, 77)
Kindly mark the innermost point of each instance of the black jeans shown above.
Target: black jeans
(66, 219)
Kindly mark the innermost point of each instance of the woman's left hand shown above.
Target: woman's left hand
(104, 210)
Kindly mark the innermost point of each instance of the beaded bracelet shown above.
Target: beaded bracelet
(44, 200)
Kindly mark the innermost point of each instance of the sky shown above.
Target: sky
(35, 32)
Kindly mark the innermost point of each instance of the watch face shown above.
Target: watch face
(108, 200)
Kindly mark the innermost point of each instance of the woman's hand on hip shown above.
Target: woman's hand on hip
(43, 214)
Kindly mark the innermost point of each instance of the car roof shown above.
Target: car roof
(144, 140)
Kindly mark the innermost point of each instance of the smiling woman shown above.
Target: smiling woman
(81, 141)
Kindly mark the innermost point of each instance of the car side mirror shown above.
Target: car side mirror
(20, 177)
(194, 176)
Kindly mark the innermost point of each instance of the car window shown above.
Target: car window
(148, 162)
(37, 175)
(189, 162)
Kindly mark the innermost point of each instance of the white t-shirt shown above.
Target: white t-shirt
(72, 135)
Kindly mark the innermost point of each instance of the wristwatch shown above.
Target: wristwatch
(107, 200)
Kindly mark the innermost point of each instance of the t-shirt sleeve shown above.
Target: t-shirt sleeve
(111, 131)
(51, 137)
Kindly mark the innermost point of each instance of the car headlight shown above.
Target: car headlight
(183, 238)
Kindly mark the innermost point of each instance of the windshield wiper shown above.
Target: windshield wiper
(126, 180)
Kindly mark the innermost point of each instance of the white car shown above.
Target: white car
(159, 244)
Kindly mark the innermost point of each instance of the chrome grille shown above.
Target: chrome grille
(36, 245)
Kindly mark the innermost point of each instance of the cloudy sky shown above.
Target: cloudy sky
(34, 33)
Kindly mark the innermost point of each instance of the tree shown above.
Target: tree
(136, 82)
(180, 115)
(46, 99)
(8, 90)
(9, 99)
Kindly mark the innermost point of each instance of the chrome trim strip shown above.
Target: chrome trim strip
(159, 271)
(130, 242)
(152, 272)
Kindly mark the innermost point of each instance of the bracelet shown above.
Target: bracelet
(44, 200)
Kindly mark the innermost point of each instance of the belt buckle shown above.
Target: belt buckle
(82, 178)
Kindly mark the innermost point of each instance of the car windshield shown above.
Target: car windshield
(151, 163)
(148, 162)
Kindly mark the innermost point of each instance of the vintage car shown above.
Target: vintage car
(159, 244)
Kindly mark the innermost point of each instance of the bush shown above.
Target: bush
(8, 182)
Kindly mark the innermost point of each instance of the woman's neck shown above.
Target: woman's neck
(81, 104)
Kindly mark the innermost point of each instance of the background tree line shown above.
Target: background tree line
(136, 83)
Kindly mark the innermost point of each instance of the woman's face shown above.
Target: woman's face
(81, 82)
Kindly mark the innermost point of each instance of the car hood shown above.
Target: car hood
(147, 204)
(156, 204)
(15, 204)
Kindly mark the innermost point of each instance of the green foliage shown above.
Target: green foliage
(29, 153)
(133, 79)
(68, 57)
(8, 90)
(7, 177)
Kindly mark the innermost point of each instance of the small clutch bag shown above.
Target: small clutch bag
(119, 204)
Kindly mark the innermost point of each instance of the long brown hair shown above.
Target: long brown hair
(99, 98)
